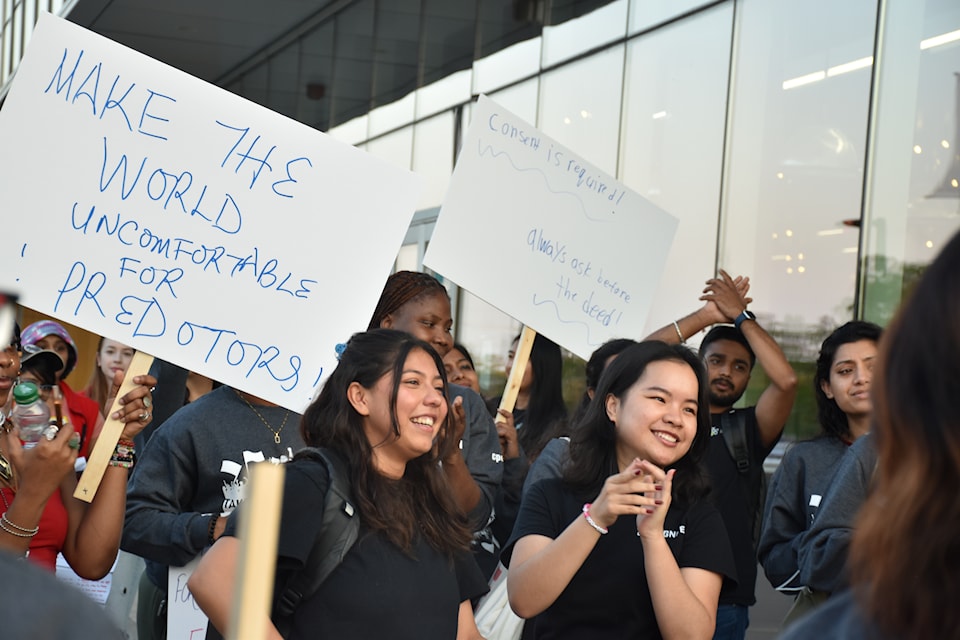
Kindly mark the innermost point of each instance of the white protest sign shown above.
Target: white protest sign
(146, 205)
(535, 230)
(185, 620)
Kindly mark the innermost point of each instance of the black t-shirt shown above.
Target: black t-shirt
(727, 492)
(608, 597)
(378, 590)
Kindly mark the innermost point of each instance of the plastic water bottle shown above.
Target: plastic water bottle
(30, 414)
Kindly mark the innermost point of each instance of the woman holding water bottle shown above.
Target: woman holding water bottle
(40, 517)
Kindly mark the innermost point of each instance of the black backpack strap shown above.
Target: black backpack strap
(753, 479)
(733, 425)
(338, 532)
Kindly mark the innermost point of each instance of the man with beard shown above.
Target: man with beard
(729, 353)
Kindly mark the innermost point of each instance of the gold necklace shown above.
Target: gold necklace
(275, 432)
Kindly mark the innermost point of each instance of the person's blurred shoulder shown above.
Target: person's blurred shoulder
(839, 618)
(35, 604)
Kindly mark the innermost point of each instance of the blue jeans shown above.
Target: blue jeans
(732, 622)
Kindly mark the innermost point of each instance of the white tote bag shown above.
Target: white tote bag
(495, 619)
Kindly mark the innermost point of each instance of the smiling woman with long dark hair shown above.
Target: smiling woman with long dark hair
(625, 544)
(410, 574)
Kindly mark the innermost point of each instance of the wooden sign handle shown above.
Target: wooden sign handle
(520, 359)
(259, 530)
(99, 458)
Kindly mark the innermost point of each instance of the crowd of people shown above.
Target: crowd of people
(642, 513)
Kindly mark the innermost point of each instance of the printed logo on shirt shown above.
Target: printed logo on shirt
(715, 431)
(675, 533)
(234, 489)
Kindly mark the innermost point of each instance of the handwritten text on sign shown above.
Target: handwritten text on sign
(192, 224)
(538, 232)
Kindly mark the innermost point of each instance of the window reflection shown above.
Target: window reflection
(501, 23)
(796, 153)
(916, 195)
(316, 75)
(796, 158)
(671, 144)
(580, 107)
(353, 71)
(448, 37)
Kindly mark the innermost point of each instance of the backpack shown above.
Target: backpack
(339, 530)
(753, 480)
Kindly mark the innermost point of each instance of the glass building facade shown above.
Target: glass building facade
(811, 145)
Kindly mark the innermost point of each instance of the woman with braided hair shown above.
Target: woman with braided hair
(419, 304)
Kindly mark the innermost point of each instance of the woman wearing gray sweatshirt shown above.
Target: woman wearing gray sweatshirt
(842, 389)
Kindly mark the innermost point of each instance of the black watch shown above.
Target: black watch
(744, 315)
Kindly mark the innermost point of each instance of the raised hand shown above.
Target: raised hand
(41, 468)
(507, 432)
(136, 406)
(726, 297)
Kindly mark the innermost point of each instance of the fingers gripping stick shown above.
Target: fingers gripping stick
(110, 434)
(520, 359)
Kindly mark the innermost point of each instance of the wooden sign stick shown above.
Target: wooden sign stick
(107, 440)
(520, 358)
(259, 530)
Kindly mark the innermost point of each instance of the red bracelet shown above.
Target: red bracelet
(591, 521)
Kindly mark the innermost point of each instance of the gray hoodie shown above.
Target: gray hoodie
(823, 549)
(793, 498)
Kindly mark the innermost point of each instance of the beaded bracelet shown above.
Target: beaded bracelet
(591, 521)
(16, 530)
(124, 454)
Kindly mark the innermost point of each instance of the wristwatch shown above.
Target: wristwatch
(744, 315)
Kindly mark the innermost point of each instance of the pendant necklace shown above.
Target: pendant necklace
(275, 432)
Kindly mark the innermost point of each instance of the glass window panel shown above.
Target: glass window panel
(502, 23)
(395, 147)
(433, 157)
(352, 132)
(353, 73)
(671, 148)
(6, 43)
(586, 31)
(648, 13)
(449, 37)
(316, 76)
(559, 11)
(504, 67)
(285, 88)
(254, 84)
(796, 154)
(580, 107)
(445, 93)
(397, 51)
(30, 20)
(17, 30)
(393, 115)
(914, 193)
(407, 258)
(520, 100)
